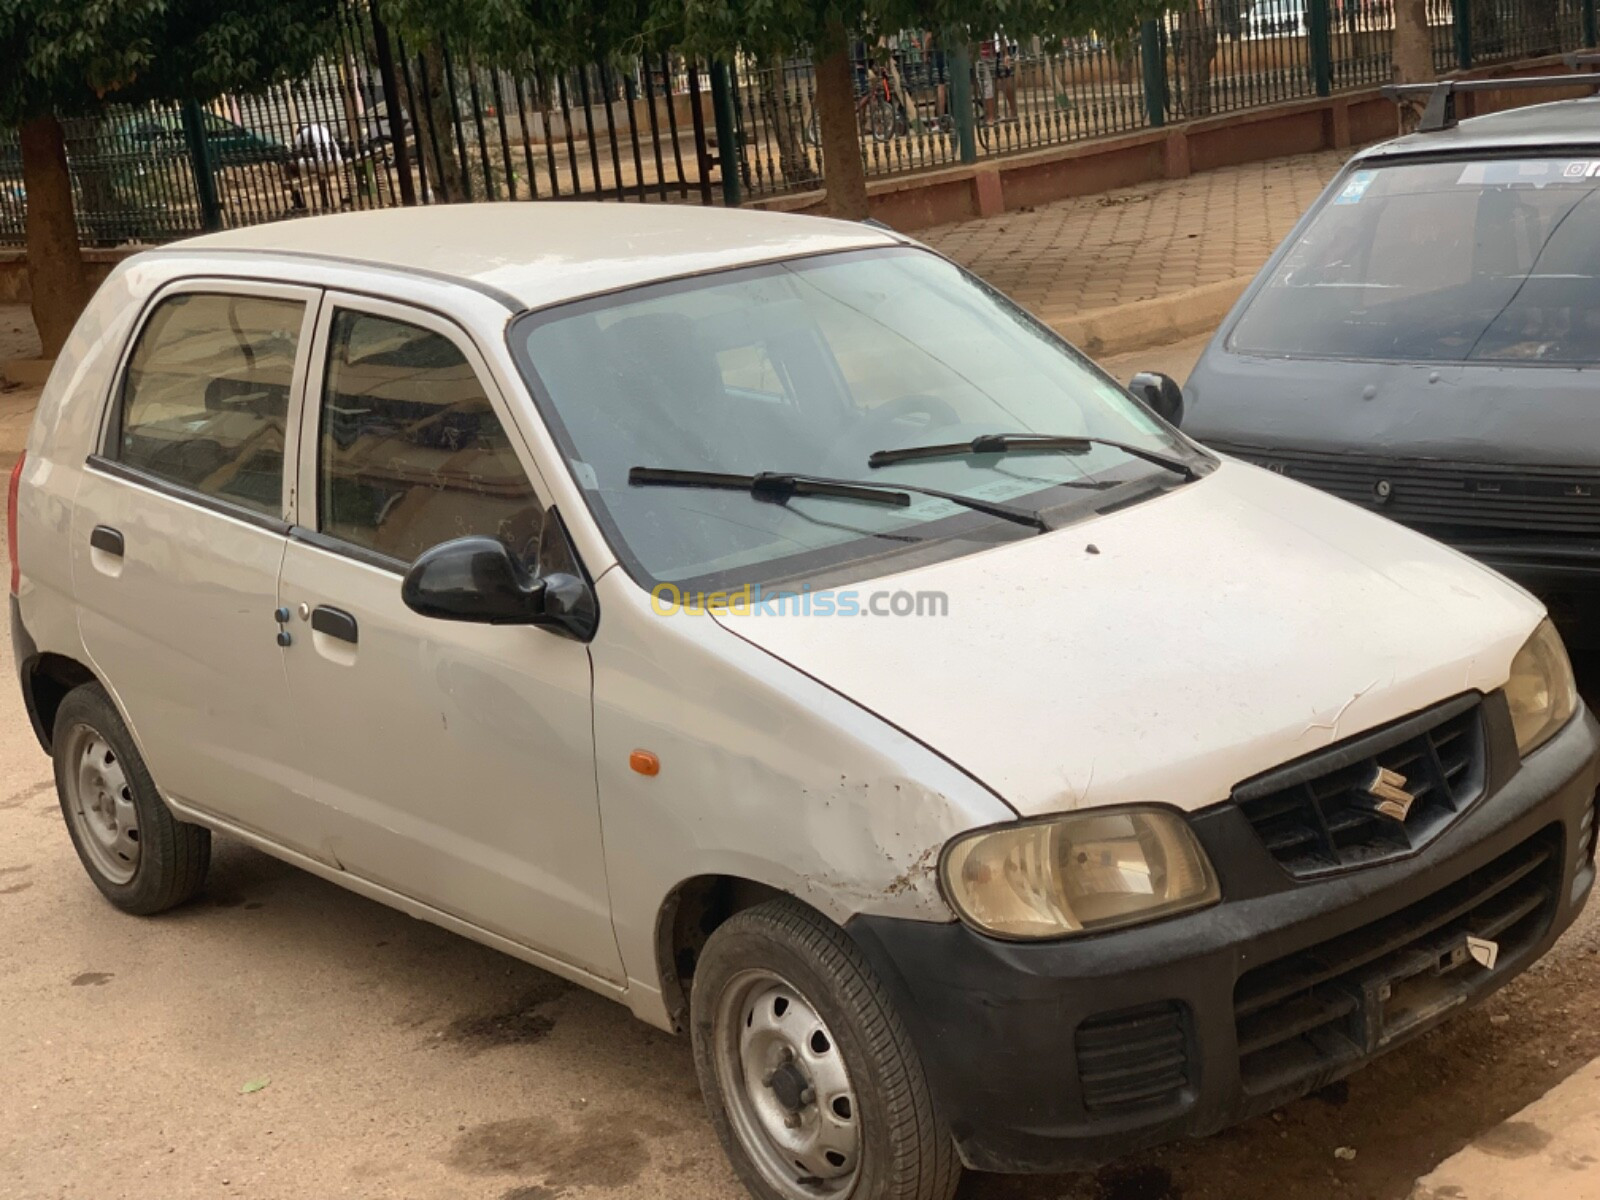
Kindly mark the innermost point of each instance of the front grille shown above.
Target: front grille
(1318, 815)
(1465, 495)
(1303, 1018)
(1134, 1059)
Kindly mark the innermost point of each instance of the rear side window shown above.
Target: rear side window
(412, 453)
(205, 399)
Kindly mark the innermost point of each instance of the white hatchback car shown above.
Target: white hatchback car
(762, 622)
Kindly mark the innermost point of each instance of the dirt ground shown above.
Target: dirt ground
(284, 1038)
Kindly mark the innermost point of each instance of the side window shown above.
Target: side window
(205, 398)
(411, 452)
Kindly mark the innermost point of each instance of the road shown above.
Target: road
(396, 1060)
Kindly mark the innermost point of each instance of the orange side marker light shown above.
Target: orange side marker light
(644, 762)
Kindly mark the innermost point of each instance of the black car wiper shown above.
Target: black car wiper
(778, 487)
(1001, 443)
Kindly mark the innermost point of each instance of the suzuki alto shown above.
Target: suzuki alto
(760, 621)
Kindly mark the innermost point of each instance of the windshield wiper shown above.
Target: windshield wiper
(1002, 443)
(778, 487)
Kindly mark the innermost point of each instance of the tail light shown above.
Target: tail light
(11, 523)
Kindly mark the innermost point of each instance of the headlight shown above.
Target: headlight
(1541, 690)
(1079, 873)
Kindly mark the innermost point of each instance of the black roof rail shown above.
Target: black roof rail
(1440, 110)
(1581, 58)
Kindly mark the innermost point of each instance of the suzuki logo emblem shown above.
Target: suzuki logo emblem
(1387, 791)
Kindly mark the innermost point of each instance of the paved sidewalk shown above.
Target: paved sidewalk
(1135, 244)
(1548, 1151)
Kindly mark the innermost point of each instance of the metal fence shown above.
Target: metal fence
(380, 122)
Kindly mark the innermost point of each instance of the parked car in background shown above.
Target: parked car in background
(761, 622)
(1425, 345)
(160, 133)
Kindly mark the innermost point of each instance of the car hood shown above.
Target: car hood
(1165, 652)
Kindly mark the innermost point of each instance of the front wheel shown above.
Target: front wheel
(813, 1085)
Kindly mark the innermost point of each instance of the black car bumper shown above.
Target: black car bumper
(23, 654)
(1062, 1055)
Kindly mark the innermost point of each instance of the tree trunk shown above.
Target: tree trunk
(438, 137)
(843, 168)
(56, 274)
(1413, 55)
(1197, 48)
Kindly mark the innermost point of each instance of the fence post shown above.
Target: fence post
(962, 111)
(729, 156)
(205, 177)
(702, 157)
(1153, 67)
(1319, 37)
(1591, 27)
(1461, 11)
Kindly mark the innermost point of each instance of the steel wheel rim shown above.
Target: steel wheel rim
(99, 802)
(786, 1087)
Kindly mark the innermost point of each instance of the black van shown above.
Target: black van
(1426, 343)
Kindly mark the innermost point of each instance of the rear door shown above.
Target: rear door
(454, 761)
(178, 535)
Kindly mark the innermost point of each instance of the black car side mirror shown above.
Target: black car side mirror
(479, 579)
(1161, 393)
(474, 579)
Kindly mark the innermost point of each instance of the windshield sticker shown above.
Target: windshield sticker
(1356, 188)
(1538, 171)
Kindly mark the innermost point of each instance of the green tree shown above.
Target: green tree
(569, 33)
(67, 58)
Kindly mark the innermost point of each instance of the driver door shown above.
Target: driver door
(454, 761)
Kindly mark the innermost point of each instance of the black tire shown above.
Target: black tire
(907, 1152)
(173, 855)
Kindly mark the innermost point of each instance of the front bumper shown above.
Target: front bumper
(1061, 1055)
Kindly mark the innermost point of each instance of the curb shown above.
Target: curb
(1546, 1150)
(1145, 324)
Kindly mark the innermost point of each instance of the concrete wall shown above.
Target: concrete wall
(14, 271)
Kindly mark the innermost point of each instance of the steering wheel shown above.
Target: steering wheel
(876, 431)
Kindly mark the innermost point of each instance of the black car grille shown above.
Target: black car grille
(1318, 815)
(1462, 495)
(1304, 1018)
(1134, 1059)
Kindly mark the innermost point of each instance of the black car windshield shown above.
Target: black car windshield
(807, 366)
(1462, 261)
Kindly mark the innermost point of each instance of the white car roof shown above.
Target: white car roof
(546, 252)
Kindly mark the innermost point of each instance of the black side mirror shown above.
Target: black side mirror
(474, 579)
(478, 579)
(1161, 393)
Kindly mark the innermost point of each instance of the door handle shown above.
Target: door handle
(107, 540)
(334, 622)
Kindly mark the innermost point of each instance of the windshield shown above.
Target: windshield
(808, 366)
(1493, 261)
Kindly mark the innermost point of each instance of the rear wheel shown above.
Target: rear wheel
(142, 858)
(814, 1087)
(881, 119)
